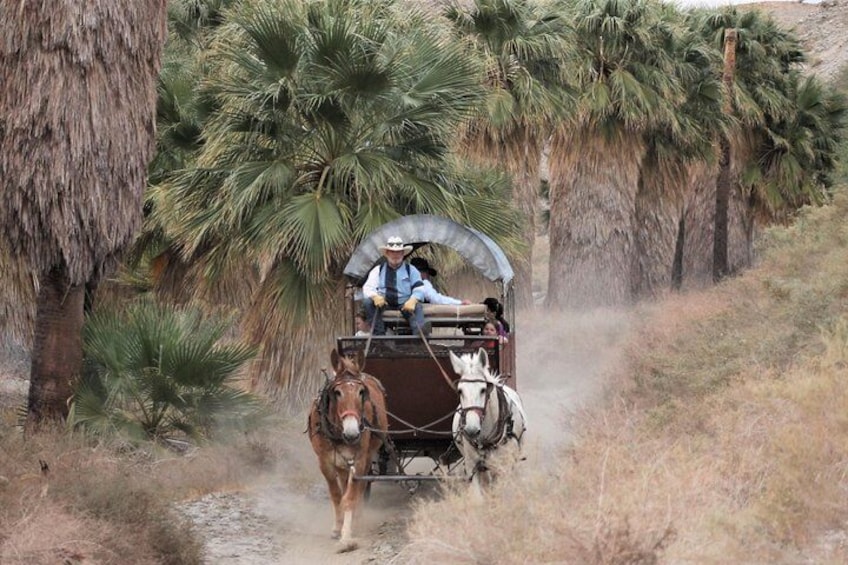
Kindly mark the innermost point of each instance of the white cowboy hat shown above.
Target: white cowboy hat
(395, 243)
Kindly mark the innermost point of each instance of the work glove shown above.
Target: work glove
(409, 305)
(379, 301)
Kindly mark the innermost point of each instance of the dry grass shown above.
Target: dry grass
(724, 439)
(107, 503)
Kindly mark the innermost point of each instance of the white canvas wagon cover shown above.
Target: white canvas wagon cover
(474, 246)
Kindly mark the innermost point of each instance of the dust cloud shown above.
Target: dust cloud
(287, 518)
(562, 359)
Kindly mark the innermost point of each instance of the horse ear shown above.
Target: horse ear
(334, 359)
(483, 356)
(360, 359)
(456, 362)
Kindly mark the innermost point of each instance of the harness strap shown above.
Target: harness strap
(504, 416)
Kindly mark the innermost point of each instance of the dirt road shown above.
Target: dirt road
(287, 517)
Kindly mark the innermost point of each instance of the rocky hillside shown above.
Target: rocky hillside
(823, 28)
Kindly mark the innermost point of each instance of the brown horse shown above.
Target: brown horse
(347, 425)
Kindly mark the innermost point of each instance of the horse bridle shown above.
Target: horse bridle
(329, 428)
(480, 443)
(481, 410)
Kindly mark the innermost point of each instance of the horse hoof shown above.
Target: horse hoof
(347, 547)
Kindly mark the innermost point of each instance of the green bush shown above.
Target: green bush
(162, 374)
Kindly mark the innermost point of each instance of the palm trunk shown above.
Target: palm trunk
(594, 181)
(658, 214)
(677, 265)
(740, 244)
(526, 198)
(520, 154)
(699, 221)
(724, 186)
(725, 181)
(57, 347)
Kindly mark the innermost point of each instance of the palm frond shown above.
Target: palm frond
(153, 371)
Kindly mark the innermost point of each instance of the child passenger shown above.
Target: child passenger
(496, 311)
(362, 325)
(490, 329)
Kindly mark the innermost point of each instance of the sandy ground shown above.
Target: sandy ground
(287, 517)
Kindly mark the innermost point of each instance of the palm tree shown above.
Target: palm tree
(770, 144)
(190, 20)
(519, 42)
(670, 160)
(794, 154)
(76, 134)
(627, 85)
(334, 118)
(759, 93)
(698, 223)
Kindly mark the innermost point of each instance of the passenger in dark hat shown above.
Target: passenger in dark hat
(423, 266)
(431, 295)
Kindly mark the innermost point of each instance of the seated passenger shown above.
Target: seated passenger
(362, 325)
(397, 285)
(431, 295)
(490, 329)
(496, 310)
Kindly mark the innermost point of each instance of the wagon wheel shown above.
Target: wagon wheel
(366, 494)
(386, 465)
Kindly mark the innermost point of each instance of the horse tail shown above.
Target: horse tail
(516, 406)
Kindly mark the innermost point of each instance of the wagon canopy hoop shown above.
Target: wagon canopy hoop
(417, 230)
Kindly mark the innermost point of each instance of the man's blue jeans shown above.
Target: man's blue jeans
(374, 316)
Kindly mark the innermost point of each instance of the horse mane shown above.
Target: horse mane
(487, 372)
(493, 377)
(347, 366)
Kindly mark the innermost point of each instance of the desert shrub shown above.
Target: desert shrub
(159, 373)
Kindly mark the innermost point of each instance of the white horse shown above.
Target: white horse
(490, 414)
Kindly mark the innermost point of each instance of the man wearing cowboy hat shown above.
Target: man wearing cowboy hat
(432, 295)
(394, 284)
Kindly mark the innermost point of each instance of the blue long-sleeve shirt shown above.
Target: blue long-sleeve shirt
(407, 283)
(433, 296)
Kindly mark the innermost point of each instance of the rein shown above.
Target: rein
(448, 380)
(368, 341)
